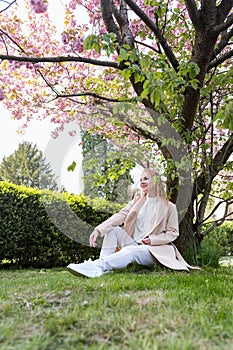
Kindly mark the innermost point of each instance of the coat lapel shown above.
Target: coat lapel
(130, 220)
(162, 209)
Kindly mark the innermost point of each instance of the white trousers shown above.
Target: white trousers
(130, 251)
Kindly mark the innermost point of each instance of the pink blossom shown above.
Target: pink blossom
(19, 114)
(102, 30)
(115, 57)
(37, 65)
(65, 39)
(39, 6)
(29, 65)
(73, 4)
(179, 5)
(222, 132)
(73, 23)
(78, 45)
(54, 134)
(109, 77)
(2, 95)
(188, 46)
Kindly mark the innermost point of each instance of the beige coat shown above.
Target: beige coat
(163, 233)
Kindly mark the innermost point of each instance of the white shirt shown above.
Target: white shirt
(145, 218)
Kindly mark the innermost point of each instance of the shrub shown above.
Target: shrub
(46, 229)
(216, 244)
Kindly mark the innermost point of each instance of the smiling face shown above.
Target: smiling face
(147, 183)
(152, 185)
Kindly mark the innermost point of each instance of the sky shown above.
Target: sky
(38, 132)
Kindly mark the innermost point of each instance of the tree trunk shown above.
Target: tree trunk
(188, 241)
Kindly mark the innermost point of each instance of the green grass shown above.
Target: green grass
(135, 308)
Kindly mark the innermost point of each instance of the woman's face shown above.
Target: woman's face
(147, 183)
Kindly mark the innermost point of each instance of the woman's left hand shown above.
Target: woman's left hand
(146, 240)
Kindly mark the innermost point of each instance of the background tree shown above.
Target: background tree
(106, 171)
(27, 166)
(170, 59)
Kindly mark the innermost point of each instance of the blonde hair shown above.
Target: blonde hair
(158, 183)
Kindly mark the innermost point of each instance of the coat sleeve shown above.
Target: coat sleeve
(115, 220)
(171, 231)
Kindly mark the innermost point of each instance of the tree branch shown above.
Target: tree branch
(122, 19)
(11, 39)
(222, 156)
(146, 45)
(217, 164)
(228, 202)
(120, 15)
(223, 10)
(192, 11)
(156, 31)
(69, 96)
(109, 20)
(47, 82)
(92, 94)
(149, 136)
(62, 59)
(8, 5)
(218, 222)
(222, 26)
(208, 14)
(220, 60)
(226, 36)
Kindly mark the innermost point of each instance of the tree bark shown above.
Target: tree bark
(188, 241)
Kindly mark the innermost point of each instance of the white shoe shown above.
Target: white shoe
(87, 268)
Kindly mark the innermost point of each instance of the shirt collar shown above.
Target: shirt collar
(152, 200)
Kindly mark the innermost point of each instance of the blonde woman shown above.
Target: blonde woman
(142, 232)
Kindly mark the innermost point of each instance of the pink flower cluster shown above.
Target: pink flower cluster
(39, 6)
(72, 133)
(2, 95)
(76, 44)
(73, 4)
(28, 65)
(109, 77)
(65, 39)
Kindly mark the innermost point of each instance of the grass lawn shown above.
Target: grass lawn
(135, 308)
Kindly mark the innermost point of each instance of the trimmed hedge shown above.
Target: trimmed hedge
(47, 229)
(216, 244)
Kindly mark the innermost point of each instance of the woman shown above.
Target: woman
(143, 231)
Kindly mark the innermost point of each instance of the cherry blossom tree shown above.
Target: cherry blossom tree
(151, 76)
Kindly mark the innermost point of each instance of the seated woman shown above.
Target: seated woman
(144, 231)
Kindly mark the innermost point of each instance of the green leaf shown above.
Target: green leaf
(72, 166)
(155, 97)
(194, 83)
(145, 93)
(122, 55)
(92, 42)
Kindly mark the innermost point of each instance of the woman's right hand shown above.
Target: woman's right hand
(93, 237)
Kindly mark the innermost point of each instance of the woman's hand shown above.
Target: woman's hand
(146, 240)
(93, 237)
